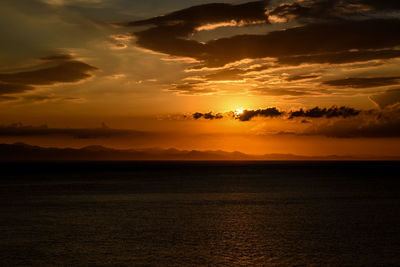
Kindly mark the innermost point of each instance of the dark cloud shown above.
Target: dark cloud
(282, 92)
(231, 74)
(249, 114)
(336, 122)
(364, 82)
(7, 98)
(57, 57)
(303, 9)
(383, 124)
(316, 112)
(70, 71)
(39, 98)
(302, 77)
(207, 116)
(224, 75)
(380, 5)
(332, 112)
(330, 9)
(169, 40)
(306, 40)
(59, 68)
(20, 130)
(340, 57)
(340, 41)
(208, 14)
(10, 88)
(172, 29)
(387, 98)
(195, 88)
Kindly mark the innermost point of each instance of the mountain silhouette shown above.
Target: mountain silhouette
(25, 152)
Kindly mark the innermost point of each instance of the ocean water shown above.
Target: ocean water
(200, 213)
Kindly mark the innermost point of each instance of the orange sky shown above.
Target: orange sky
(148, 67)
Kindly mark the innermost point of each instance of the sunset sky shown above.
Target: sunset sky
(307, 77)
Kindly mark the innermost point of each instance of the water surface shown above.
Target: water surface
(204, 213)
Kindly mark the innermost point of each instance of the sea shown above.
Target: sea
(200, 213)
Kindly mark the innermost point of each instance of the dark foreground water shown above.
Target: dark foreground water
(273, 214)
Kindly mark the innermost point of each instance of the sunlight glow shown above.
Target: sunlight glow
(238, 111)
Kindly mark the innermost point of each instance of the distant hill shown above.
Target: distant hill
(24, 152)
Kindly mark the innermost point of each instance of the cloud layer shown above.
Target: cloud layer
(207, 116)
(54, 69)
(317, 38)
(364, 82)
(249, 114)
(20, 130)
(372, 124)
(334, 34)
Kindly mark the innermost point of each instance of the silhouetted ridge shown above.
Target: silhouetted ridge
(24, 152)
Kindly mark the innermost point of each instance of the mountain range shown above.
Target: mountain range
(25, 152)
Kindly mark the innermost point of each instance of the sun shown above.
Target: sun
(238, 111)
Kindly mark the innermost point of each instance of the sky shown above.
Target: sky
(307, 77)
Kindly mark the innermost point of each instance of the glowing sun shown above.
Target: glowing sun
(238, 111)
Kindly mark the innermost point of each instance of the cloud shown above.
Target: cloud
(330, 9)
(7, 98)
(20, 130)
(319, 40)
(235, 73)
(35, 29)
(340, 57)
(226, 75)
(381, 5)
(282, 91)
(195, 88)
(10, 88)
(302, 77)
(332, 112)
(249, 114)
(387, 98)
(273, 112)
(326, 32)
(57, 57)
(171, 31)
(302, 9)
(364, 82)
(207, 116)
(373, 124)
(169, 35)
(336, 122)
(208, 14)
(37, 98)
(61, 72)
(59, 68)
